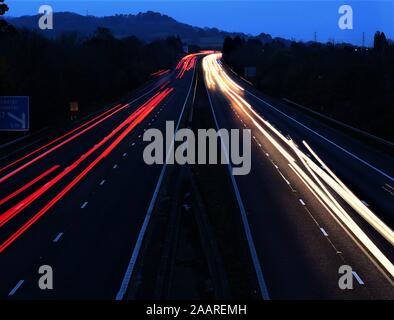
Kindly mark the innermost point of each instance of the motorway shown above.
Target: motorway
(315, 199)
(77, 203)
(300, 197)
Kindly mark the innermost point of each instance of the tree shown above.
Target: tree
(102, 33)
(4, 25)
(380, 41)
(3, 8)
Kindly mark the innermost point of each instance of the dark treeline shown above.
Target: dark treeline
(91, 70)
(351, 84)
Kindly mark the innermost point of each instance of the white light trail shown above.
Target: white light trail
(321, 181)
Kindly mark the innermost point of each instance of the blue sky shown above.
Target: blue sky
(290, 19)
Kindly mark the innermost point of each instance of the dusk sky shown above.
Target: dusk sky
(289, 19)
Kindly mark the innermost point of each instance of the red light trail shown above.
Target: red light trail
(137, 117)
(58, 139)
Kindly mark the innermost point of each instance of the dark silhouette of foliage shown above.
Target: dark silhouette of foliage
(352, 84)
(4, 25)
(3, 7)
(380, 41)
(92, 70)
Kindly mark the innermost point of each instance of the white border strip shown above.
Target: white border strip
(137, 247)
(252, 248)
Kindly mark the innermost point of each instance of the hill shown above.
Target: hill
(147, 26)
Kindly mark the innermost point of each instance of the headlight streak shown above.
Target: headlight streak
(316, 179)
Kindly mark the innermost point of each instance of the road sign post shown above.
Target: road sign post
(14, 113)
(74, 108)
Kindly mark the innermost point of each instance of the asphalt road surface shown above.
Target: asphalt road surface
(78, 204)
(299, 243)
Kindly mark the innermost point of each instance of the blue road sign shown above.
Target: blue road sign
(14, 113)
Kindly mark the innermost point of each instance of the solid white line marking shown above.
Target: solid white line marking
(326, 139)
(84, 205)
(389, 191)
(359, 280)
(324, 232)
(249, 237)
(391, 187)
(58, 237)
(302, 202)
(115, 166)
(102, 182)
(138, 244)
(12, 292)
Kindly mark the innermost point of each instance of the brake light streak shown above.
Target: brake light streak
(160, 73)
(28, 185)
(59, 138)
(315, 178)
(133, 120)
(185, 64)
(76, 135)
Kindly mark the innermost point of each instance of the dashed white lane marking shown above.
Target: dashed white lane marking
(359, 280)
(124, 154)
(102, 182)
(302, 202)
(115, 166)
(324, 138)
(84, 205)
(284, 178)
(58, 237)
(133, 144)
(139, 136)
(324, 232)
(12, 292)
